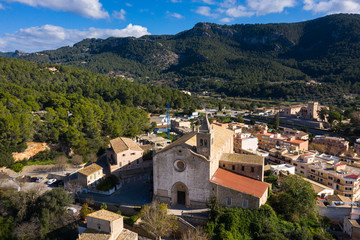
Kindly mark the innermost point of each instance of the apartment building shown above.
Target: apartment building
(282, 156)
(342, 178)
(332, 144)
(245, 141)
(268, 140)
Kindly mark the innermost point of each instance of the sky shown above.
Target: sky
(35, 25)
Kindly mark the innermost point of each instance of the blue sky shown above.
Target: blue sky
(34, 25)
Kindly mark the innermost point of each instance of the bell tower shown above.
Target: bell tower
(205, 139)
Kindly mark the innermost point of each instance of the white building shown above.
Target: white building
(282, 167)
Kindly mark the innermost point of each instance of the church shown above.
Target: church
(188, 172)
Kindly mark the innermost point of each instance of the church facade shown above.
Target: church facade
(187, 171)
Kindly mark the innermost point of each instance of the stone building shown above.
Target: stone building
(90, 175)
(105, 225)
(123, 154)
(184, 171)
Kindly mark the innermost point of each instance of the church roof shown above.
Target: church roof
(121, 144)
(221, 135)
(239, 183)
(205, 125)
(242, 158)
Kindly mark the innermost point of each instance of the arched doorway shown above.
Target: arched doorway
(180, 194)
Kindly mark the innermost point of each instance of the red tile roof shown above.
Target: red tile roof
(239, 183)
(353, 176)
(340, 164)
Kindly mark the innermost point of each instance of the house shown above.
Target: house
(123, 154)
(156, 142)
(231, 189)
(352, 224)
(90, 175)
(332, 144)
(187, 171)
(245, 141)
(105, 225)
(282, 167)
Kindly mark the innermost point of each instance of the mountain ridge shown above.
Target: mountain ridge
(216, 57)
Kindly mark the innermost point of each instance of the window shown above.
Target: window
(124, 155)
(331, 178)
(242, 168)
(330, 184)
(228, 201)
(223, 165)
(252, 169)
(347, 195)
(205, 142)
(179, 165)
(201, 142)
(348, 188)
(233, 167)
(137, 161)
(245, 203)
(132, 153)
(295, 164)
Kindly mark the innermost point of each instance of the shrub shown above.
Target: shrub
(6, 159)
(17, 167)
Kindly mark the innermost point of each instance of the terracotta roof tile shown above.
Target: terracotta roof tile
(239, 183)
(93, 168)
(242, 158)
(121, 144)
(105, 215)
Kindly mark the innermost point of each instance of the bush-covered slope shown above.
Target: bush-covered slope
(77, 108)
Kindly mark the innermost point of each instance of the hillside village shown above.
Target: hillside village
(222, 131)
(236, 163)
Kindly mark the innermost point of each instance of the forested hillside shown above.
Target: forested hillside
(77, 108)
(251, 60)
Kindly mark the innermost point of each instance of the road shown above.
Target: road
(137, 192)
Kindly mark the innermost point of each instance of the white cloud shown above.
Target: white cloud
(206, 11)
(174, 15)
(263, 7)
(228, 3)
(332, 6)
(119, 14)
(175, 1)
(2, 7)
(85, 8)
(226, 20)
(210, 2)
(239, 11)
(128, 4)
(51, 37)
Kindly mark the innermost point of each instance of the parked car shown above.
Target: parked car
(51, 181)
(39, 179)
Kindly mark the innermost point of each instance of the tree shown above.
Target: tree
(60, 162)
(77, 160)
(196, 234)
(239, 118)
(156, 221)
(295, 199)
(276, 121)
(103, 206)
(85, 210)
(6, 159)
